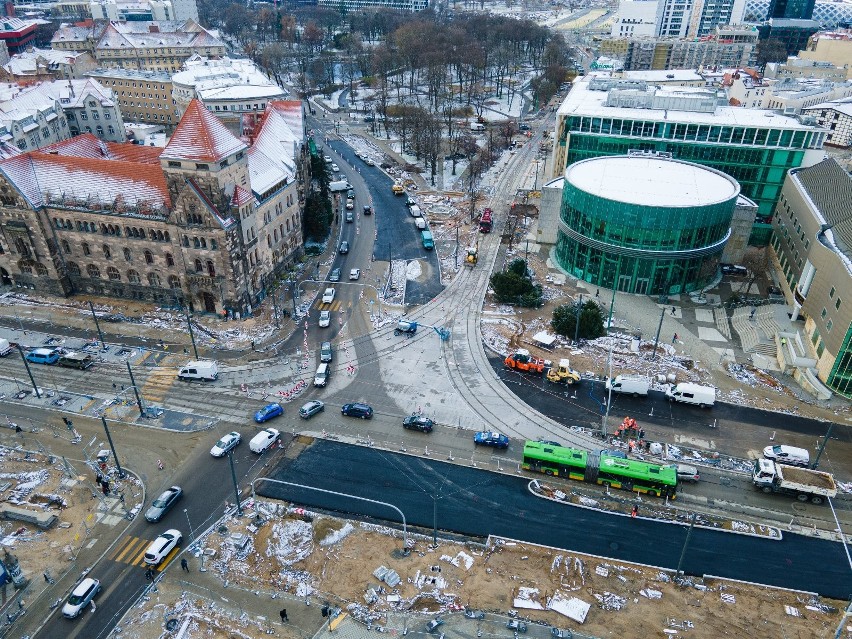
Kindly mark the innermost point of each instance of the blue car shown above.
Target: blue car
(268, 412)
(488, 438)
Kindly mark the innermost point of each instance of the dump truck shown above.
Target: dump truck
(563, 373)
(522, 360)
(802, 483)
(472, 256)
(398, 188)
(485, 221)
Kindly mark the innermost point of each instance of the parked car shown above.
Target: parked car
(162, 504)
(516, 626)
(734, 269)
(350, 194)
(324, 319)
(326, 354)
(334, 167)
(357, 409)
(355, 274)
(433, 625)
(558, 633)
(311, 408)
(334, 276)
(369, 162)
(350, 204)
(81, 597)
(328, 295)
(474, 614)
(227, 443)
(524, 127)
(489, 438)
(368, 210)
(418, 422)
(160, 548)
(344, 247)
(350, 215)
(264, 440)
(268, 412)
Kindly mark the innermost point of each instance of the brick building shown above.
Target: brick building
(207, 221)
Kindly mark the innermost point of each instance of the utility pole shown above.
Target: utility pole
(121, 472)
(659, 328)
(234, 479)
(685, 545)
(191, 334)
(135, 389)
(822, 445)
(98, 326)
(577, 323)
(29, 372)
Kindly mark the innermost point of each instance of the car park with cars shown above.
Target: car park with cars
(490, 438)
(163, 504)
(82, 595)
(418, 422)
(264, 440)
(324, 319)
(357, 409)
(160, 548)
(227, 443)
(311, 408)
(268, 412)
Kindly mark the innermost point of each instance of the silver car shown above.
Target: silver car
(163, 503)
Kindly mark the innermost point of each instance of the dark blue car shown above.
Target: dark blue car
(488, 438)
(268, 412)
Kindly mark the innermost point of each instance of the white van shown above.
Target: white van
(420, 223)
(415, 211)
(5, 347)
(789, 455)
(322, 375)
(630, 384)
(477, 126)
(688, 393)
(203, 370)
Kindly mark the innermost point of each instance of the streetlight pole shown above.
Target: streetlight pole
(191, 531)
(29, 372)
(191, 334)
(577, 323)
(121, 472)
(135, 389)
(659, 328)
(234, 479)
(685, 545)
(98, 326)
(822, 445)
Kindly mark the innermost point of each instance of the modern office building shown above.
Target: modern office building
(644, 223)
(829, 13)
(601, 116)
(812, 244)
(795, 33)
(793, 9)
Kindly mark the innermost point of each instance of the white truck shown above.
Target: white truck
(338, 186)
(804, 484)
(5, 347)
(203, 370)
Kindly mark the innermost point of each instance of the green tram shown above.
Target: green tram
(606, 470)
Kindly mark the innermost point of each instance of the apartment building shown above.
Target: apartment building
(142, 96)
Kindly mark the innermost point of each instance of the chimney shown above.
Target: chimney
(153, 28)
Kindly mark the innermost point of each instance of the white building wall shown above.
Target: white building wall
(635, 18)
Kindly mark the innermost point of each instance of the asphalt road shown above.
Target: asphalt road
(479, 503)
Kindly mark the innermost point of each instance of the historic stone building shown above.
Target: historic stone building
(207, 221)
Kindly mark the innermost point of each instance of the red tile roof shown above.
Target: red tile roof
(201, 136)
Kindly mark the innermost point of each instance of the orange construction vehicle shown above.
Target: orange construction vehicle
(522, 360)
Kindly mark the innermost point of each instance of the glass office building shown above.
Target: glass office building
(603, 117)
(644, 224)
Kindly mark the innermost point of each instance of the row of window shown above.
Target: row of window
(85, 116)
(128, 254)
(154, 235)
(113, 274)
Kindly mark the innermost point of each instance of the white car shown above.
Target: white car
(263, 440)
(162, 546)
(325, 319)
(355, 274)
(334, 167)
(328, 296)
(227, 443)
(350, 204)
(80, 597)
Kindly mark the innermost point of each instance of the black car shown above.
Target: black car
(524, 127)
(344, 247)
(357, 410)
(734, 269)
(368, 210)
(418, 422)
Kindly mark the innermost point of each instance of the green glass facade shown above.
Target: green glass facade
(644, 249)
(840, 378)
(758, 158)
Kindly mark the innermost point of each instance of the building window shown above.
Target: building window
(96, 115)
(149, 257)
(198, 267)
(174, 281)
(837, 303)
(153, 279)
(828, 325)
(211, 269)
(831, 293)
(170, 261)
(113, 274)
(174, 165)
(132, 277)
(73, 269)
(93, 271)
(99, 130)
(66, 247)
(86, 249)
(107, 252)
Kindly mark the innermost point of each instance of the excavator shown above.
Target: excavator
(522, 360)
(563, 373)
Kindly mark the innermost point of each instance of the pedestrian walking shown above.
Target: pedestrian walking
(184, 564)
(674, 338)
(283, 614)
(18, 429)
(753, 311)
(634, 511)
(673, 310)
(149, 575)
(105, 487)
(597, 292)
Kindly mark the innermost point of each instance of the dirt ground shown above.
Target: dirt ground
(624, 600)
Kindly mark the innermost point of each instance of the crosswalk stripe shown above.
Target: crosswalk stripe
(134, 542)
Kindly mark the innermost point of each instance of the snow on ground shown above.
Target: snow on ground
(290, 542)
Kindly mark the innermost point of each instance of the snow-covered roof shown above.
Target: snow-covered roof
(43, 177)
(226, 79)
(71, 34)
(156, 35)
(663, 75)
(69, 93)
(651, 181)
(272, 157)
(843, 106)
(241, 92)
(26, 62)
(201, 136)
(89, 146)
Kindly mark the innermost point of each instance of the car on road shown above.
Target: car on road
(327, 159)
(162, 546)
(228, 443)
(264, 440)
(418, 422)
(516, 625)
(687, 473)
(326, 354)
(734, 269)
(344, 247)
(350, 194)
(334, 276)
(350, 204)
(328, 295)
(81, 597)
(368, 210)
(162, 504)
(369, 118)
(350, 216)
(355, 274)
(524, 127)
(490, 438)
(369, 162)
(311, 408)
(558, 633)
(325, 319)
(268, 412)
(334, 167)
(433, 625)
(357, 409)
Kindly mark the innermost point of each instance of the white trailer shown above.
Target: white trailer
(804, 484)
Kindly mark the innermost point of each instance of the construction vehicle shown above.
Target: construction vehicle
(563, 373)
(406, 328)
(398, 188)
(485, 221)
(522, 360)
(804, 484)
(472, 256)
